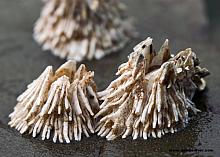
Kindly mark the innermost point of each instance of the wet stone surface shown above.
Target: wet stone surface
(189, 23)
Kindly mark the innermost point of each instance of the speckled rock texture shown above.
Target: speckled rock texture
(189, 23)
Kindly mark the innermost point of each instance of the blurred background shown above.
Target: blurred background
(188, 23)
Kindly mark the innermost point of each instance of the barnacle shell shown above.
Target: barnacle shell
(61, 104)
(82, 29)
(152, 95)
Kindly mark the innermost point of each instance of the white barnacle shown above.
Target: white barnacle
(152, 94)
(83, 29)
(58, 104)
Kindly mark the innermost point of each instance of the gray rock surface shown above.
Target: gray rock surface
(185, 23)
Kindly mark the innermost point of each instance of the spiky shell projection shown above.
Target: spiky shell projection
(152, 95)
(61, 104)
(82, 29)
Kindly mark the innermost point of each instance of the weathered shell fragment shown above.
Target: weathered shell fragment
(152, 95)
(82, 29)
(60, 104)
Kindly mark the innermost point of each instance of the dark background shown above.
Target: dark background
(188, 23)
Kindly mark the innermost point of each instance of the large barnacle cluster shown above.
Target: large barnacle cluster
(152, 95)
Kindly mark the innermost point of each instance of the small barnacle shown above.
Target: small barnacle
(152, 94)
(58, 104)
(83, 29)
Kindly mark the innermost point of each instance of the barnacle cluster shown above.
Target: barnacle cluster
(82, 29)
(152, 94)
(61, 104)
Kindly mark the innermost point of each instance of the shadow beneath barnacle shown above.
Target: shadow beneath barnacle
(201, 101)
(87, 146)
(151, 147)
